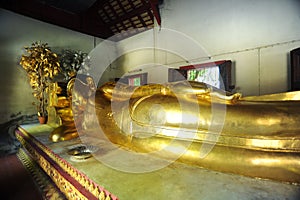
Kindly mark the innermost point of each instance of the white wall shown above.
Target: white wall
(16, 32)
(257, 35)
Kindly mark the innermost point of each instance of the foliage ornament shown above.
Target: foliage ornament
(41, 65)
(73, 62)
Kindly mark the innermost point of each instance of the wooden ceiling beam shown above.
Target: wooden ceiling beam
(88, 22)
(38, 10)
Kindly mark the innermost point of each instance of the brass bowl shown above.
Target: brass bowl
(82, 152)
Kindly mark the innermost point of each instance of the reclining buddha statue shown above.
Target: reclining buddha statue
(256, 136)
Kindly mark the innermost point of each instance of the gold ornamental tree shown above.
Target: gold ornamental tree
(41, 65)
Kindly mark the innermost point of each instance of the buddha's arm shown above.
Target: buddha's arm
(190, 89)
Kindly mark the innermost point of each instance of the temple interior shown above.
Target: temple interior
(150, 99)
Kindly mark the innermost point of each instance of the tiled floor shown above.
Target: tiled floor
(15, 181)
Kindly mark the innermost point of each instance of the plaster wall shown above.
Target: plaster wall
(256, 35)
(16, 32)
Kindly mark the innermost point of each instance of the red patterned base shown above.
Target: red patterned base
(70, 181)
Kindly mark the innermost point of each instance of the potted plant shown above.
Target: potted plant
(41, 65)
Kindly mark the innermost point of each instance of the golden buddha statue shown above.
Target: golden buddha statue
(256, 136)
(68, 111)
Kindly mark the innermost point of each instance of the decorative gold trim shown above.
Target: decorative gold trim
(47, 188)
(71, 182)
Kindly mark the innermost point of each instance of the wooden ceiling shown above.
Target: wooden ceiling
(99, 18)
